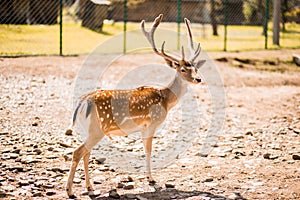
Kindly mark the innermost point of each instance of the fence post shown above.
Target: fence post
(225, 25)
(125, 26)
(178, 23)
(266, 24)
(60, 26)
(276, 21)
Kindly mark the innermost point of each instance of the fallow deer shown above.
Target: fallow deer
(121, 112)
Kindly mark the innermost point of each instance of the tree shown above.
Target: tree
(213, 17)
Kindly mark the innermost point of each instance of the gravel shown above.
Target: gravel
(256, 157)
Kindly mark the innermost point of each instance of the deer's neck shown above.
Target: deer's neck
(174, 91)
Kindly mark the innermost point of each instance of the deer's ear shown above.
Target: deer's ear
(200, 63)
(172, 64)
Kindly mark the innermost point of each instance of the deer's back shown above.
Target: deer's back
(128, 110)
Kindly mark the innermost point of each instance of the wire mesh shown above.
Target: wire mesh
(31, 27)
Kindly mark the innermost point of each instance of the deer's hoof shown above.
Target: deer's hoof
(90, 188)
(152, 182)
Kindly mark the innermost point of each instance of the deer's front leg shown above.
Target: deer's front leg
(148, 148)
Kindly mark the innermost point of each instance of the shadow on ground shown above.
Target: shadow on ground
(172, 194)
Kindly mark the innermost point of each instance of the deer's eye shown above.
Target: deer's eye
(182, 69)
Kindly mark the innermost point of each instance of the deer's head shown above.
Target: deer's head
(188, 69)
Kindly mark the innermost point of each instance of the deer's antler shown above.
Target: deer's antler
(194, 53)
(150, 37)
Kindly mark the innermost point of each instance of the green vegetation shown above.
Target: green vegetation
(241, 38)
(41, 39)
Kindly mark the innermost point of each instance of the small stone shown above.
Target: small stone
(94, 193)
(6, 150)
(37, 194)
(16, 151)
(38, 184)
(290, 162)
(239, 152)
(222, 155)
(76, 180)
(270, 156)
(296, 157)
(169, 185)
(50, 148)
(3, 133)
(65, 145)
(130, 196)
(139, 197)
(208, 180)
(157, 187)
(249, 133)
(103, 168)
(85, 193)
(128, 179)
(9, 188)
(235, 196)
(100, 160)
(51, 156)
(37, 151)
(50, 193)
(23, 182)
(48, 185)
(10, 179)
(267, 156)
(113, 194)
(273, 157)
(128, 187)
(18, 168)
(120, 185)
(98, 180)
(238, 136)
(13, 155)
(2, 193)
(68, 132)
(297, 131)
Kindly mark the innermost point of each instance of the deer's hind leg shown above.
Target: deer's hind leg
(77, 155)
(95, 134)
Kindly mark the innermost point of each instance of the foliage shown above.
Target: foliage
(254, 11)
(130, 3)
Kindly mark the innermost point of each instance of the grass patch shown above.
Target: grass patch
(270, 64)
(44, 39)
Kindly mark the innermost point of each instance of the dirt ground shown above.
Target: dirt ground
(257, 155)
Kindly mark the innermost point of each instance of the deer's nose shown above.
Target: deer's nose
(198, 80)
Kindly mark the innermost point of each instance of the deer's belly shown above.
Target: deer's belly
(126, 125)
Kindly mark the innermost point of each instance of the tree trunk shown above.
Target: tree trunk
(284, 8)
(213, 17)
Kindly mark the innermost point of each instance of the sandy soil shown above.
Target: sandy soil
(256, 156)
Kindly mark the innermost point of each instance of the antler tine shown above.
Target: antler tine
(182, 52)
(194, 53)
(150, 37)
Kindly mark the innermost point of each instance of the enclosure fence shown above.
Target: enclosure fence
(72, 27)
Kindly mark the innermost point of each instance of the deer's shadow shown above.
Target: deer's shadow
(173, 193)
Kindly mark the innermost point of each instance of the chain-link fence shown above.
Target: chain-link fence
(67, 27)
